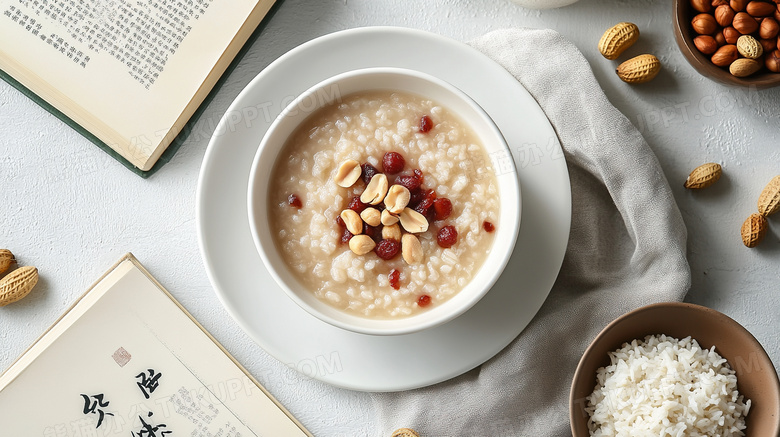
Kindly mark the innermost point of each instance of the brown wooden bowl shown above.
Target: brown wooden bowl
(756, 376)
(684, 34)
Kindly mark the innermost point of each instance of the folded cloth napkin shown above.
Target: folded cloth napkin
(626, 250)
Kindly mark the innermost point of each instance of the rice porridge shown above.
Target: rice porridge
(383, 204)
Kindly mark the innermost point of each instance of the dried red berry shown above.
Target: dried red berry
(372, 231)
(447, 236)
(419, 174)
(345, 236)
(340, 222)
(356, 205)
(368, 172)
(395, 279)
(442, 207)
(294, 201)
(411, 182)
(426, 124)
(424, 300)
(429, 196)
(393, 162)
(489, 227)
(388, 249)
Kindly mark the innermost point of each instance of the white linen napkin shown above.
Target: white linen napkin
(626, 250)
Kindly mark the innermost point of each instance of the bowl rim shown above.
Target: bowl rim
(515, 207)
(579, 378)
(683, 35)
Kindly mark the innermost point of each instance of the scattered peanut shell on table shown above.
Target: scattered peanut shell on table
(405, 432)
(17, 284)
(6, 259)
(617, 39)
(640, 69)
(754, 229)
(769, 199)
(704, 176)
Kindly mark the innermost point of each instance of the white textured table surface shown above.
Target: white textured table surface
(72, 211)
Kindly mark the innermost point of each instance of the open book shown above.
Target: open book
(127, 359)
(128, 73)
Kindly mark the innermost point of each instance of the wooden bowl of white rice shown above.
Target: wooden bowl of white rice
(675, 369)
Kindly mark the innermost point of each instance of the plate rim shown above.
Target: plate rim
(212, 149)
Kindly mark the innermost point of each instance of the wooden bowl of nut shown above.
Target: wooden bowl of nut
(734, 42)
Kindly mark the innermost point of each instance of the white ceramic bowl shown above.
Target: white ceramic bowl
(402, 80)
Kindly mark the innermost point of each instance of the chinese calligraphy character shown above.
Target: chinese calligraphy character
(148, 430)
(149, 383)
(95, 406)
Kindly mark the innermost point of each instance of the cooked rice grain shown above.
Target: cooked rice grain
(666, 387)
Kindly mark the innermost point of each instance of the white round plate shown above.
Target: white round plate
(382, 363)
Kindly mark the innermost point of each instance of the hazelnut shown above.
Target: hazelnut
(769, 28)
(738, 5)
(725, 55)
(772, 61)
(768, 44)
(704, 24)
(716, 3)
(720, 39)
(724, 15)
(706, 44)
(760, 9)
(701, 5)
(731, 35)
(744, 23)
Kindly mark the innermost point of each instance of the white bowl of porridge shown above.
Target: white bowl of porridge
(384, 201)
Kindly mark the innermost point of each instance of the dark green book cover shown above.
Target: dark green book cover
(183, 134)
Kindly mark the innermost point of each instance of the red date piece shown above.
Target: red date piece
(388, 249)
(426, 124)
(424, 300)
(488, 227)
(356, 205)
(393, 162)
(395, 279)
(294, 201)
(368, 172)
(442, 207)
(447, 236)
